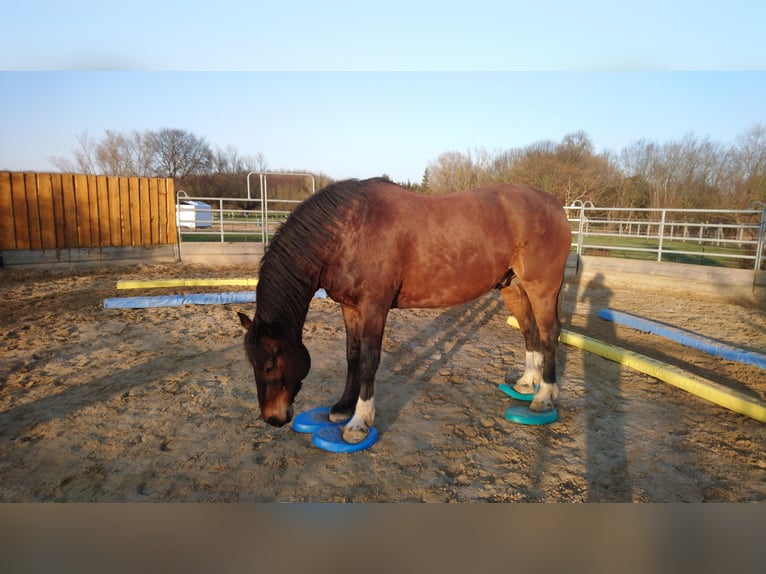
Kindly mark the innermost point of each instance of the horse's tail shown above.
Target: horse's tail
(561, 287)
(558, 299)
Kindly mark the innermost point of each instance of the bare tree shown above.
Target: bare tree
(179, 153)
(227, 160)
(455, 171)
(126, 155)
(84, 160)
(255, 162)
(749, 162)
(689, 172)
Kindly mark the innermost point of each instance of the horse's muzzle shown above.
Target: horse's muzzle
(277, 420)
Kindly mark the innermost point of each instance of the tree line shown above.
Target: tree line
(197, 168)
(690, 172)
(168, 152)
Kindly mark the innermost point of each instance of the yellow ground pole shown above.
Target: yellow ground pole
(157, 283)
(703, 388)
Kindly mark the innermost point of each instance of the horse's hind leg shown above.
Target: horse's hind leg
(544, 302)
(517, 302)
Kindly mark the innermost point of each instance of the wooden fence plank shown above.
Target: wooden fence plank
(33, 211)
(124, 211)
(57, 185)
(102, 193)
(95, 226)
(162, 214)
(20, 211)
(70, 211)
(134, 195)
(82, 202)
(45, 203)
(7, 226)
(115, 232)
(154, 209)
(170, 213)
(146, 212)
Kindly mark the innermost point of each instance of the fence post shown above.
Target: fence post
(580, 228)
(178, 218)
(662, 235)
(761, 234)
(220, 217)
(264, 210)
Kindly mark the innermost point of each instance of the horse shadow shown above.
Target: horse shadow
(422, 357)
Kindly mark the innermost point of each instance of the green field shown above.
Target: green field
(728, 255)
(228, 237)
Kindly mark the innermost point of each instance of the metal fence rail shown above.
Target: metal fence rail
(727, 238)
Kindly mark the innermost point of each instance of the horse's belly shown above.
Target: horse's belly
(443, 292)
(438, 299)
(452, 274)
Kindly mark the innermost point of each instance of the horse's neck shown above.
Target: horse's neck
(284, 304)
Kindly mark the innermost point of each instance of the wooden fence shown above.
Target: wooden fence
(68, 211)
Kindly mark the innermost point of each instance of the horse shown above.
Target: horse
(373, 246)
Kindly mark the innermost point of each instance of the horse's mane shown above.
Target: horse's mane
(290, 266)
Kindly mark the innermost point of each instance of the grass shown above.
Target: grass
(228, 237)
(691, 251)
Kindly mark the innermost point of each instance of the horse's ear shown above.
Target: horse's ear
(245, 320)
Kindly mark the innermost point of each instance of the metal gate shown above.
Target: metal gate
(227, 220)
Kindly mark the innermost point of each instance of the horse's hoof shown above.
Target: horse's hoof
(355, 435)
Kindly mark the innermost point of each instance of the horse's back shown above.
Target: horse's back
(506, 223)
(442, 250)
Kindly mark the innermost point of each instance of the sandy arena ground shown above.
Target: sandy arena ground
(160, 405)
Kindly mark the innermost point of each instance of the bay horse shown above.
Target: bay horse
(374, 246)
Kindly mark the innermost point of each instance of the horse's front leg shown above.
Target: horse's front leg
(344, 408)
(549, 329)
(364, 332)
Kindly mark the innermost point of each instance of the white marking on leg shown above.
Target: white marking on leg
(533, 372)
(357, 428)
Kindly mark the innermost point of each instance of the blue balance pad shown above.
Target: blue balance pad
(331, 439)
(511, 392)
(524, 416)
(314, 420)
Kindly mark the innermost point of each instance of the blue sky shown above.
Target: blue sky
(355, 91)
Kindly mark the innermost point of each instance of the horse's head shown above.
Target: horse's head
(279, 366)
